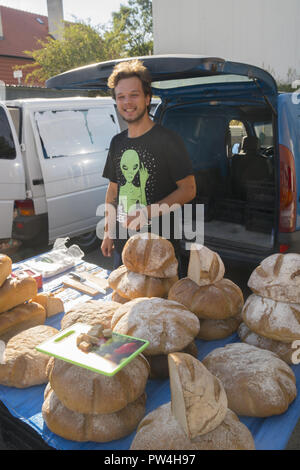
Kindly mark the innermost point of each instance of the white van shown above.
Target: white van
(52, 153)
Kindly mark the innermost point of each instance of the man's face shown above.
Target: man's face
(131, 100)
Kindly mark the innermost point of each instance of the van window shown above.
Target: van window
(237, 132)
(7, 145)
(75, 132)
(264, 132)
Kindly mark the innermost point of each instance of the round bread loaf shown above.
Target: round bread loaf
(257, 382)
(16, 291)
(21, 318)
(149, 254)
(218, 301)
(159, 430)
(22, 365)
(283, 350)
(205, 266)
(278, 278)
(92, 312)
(218, 329)
(131, 285)
(275, 320)
(115, 297)
(159, 368)
(5, 268)
(86, 392)
(167, 325)
(91, 427)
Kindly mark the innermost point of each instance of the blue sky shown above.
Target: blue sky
(97, 11)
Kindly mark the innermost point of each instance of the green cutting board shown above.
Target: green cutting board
(107, 358)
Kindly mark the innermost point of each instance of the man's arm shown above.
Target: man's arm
(110, 218)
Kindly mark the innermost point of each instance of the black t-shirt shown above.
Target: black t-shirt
(146, 169)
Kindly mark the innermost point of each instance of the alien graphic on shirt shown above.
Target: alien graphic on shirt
(131, 196)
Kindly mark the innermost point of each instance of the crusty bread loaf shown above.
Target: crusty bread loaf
(167, 325)
(278, 278)
(283, 350)
(159, 368)
(257, 382)
(218, 329)
(205, 266)
(149, 254)
(20, 318)
(5, 268)
(22, 365)
(91, 427)
(275, 320)
(218, 301)
(86, 392)
(198, 399)
(52, 305)
(16, 291)
(159, 430)
(92, 312)
(131, 285)
(115, 297)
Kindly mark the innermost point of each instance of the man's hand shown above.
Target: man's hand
(107, 246)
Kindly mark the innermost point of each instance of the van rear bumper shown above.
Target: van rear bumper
(292, 239)
(29, 227)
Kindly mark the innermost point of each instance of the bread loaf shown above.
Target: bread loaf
(91, 427)
(217, 301)
(282, 350)
(205, 266)
(159, 368)
(52, 305)
(130, 285)
(167, 325)
(20, 318)
(159, 430)
(275, 320)
(218, 329)
(198, 399)
(91, 312)
(257, 382)
(84, 391)
(149, 254)
(5, 268)
(16, 291)
(115, 297)
(278, 278)
(22, 365)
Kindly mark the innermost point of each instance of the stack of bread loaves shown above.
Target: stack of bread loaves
(216, 301)
(149, 268)
(17, 310)
(271, 314)
(82, 405)
(197, 418)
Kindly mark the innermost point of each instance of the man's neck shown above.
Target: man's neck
(136, 129)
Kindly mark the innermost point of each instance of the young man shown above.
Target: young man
(147, 165)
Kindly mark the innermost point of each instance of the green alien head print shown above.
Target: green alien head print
(129, 194)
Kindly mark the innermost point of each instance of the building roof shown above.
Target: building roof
(21, 30)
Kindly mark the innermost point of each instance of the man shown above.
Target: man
(147, 165)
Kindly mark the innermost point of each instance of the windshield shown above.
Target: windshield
(185, 82)
(264, 132)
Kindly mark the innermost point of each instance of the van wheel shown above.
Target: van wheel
(88, 241)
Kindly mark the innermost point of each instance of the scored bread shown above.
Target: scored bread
(92, 312)
(16, 291)
(198, 399)
(218, 329)
(150, 254)
(5, 268)
(205, 266)
(20, 318)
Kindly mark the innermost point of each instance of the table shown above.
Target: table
(25, 404)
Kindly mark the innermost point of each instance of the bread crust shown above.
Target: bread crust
(5, 268)
(16, 291)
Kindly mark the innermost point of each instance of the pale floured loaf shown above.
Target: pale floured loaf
(20, 318)
(15, 291)
(115, 297)
(131, 285)
(5, 268)
(283, 350)
(218, 301)
(167, 325)
(22, 365)
(86, 392)
(205, 266)
(160, 430)
(92, 312)
(91, 427)
(198, 399)
(275, 320)
(257, 382)
(150, 254)
(218, 329)
(278, 278)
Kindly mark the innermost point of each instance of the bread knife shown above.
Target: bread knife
(87, 282)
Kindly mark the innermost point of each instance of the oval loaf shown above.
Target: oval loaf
(92, 312)
(5, 267)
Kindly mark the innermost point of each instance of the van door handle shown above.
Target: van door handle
(37, 182)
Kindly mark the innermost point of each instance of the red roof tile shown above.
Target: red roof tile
(21, 31)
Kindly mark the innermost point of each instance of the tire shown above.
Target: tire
(87, 242)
